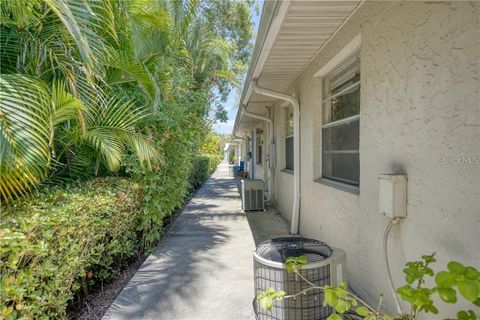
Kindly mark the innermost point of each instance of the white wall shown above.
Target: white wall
(260, 171)
(419, 103)
(283, 178)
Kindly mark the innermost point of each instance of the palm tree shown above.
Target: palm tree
(56, 59)
(79, 77)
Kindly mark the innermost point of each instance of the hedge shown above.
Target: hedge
(63, 240)
(202, 167)
(68, 238)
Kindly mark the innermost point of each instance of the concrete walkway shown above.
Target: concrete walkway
(203, 269)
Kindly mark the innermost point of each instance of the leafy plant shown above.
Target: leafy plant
(78, 79)
(95, 88)
(203, 166)
(457, 279)
(64, 241)
(267, 297)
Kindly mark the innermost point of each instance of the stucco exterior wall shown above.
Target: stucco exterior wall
(283, 179)
(419, 107)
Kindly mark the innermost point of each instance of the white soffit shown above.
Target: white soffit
(307, 26)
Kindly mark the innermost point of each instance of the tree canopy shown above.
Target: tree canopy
(85, 86)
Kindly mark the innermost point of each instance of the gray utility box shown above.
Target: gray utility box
(252, 195)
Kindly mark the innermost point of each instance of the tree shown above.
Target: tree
(80, 80)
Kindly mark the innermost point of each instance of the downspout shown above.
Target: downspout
(296, 148)
(270, 138)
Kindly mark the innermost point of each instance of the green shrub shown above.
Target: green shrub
(202, 167)
(65, 239)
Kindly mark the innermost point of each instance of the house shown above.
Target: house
(339, 93)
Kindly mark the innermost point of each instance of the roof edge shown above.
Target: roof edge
(269, 13)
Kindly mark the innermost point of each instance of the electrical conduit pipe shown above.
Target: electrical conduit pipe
(296, 148)
(270, 138)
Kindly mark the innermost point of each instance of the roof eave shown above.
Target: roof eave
(270, 11)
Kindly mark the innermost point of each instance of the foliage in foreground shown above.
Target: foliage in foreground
(64, 240)
(69, 238)
(457, 280)
(203, 166)
(79, 81)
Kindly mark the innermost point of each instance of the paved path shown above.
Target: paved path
(203, 269)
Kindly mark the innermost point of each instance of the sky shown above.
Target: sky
(231, 104)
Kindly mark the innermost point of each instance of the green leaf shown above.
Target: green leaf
(431, 308)
(448, 295)
(468, 289)
(334, 316)
(341, 306)
(456, 267)
(362, 311)
(266, 303)
(341, 292)
(477, 302)
(330, 297)
(444, 279)
(302, 260)
(464, 315)
(472, 273)
(409, 279)
(6, 311)
(280, 294)
(429, 258)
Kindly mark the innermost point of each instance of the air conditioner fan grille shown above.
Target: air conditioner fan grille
(279, 249)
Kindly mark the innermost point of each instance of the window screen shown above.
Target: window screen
(289, 153)
(340, 132)
(289, 139)
(340, 159)
(259, 147)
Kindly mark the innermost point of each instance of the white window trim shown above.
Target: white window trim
(341, 121)
(341, 92)
(346, 52)
(353, 46)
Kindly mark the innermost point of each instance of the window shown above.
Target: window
(259, 146)
(340, 129)
(289, 139)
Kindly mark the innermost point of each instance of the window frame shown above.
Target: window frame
(288, 120)
(259, 147)
(349, 64)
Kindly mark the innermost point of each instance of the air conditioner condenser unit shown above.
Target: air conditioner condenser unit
(325, 266)
(252, 195)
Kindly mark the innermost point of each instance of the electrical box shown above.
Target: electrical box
(392, 195)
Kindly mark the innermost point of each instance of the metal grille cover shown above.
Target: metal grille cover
(305, 307)
(270, 272)
(279, 249)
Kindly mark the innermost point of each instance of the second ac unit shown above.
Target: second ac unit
(252, 195)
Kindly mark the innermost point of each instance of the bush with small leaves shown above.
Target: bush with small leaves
(457, 279)
(64, 241)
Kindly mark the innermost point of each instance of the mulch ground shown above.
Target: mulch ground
(97, 302)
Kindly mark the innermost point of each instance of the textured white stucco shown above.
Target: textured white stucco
(419, 103)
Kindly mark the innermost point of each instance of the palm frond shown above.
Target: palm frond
(24, 133)
(108, 146)
(63, 10)
(86, 21)
(20, 13)
(130, 70)
(113, 128)
(64, 105)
